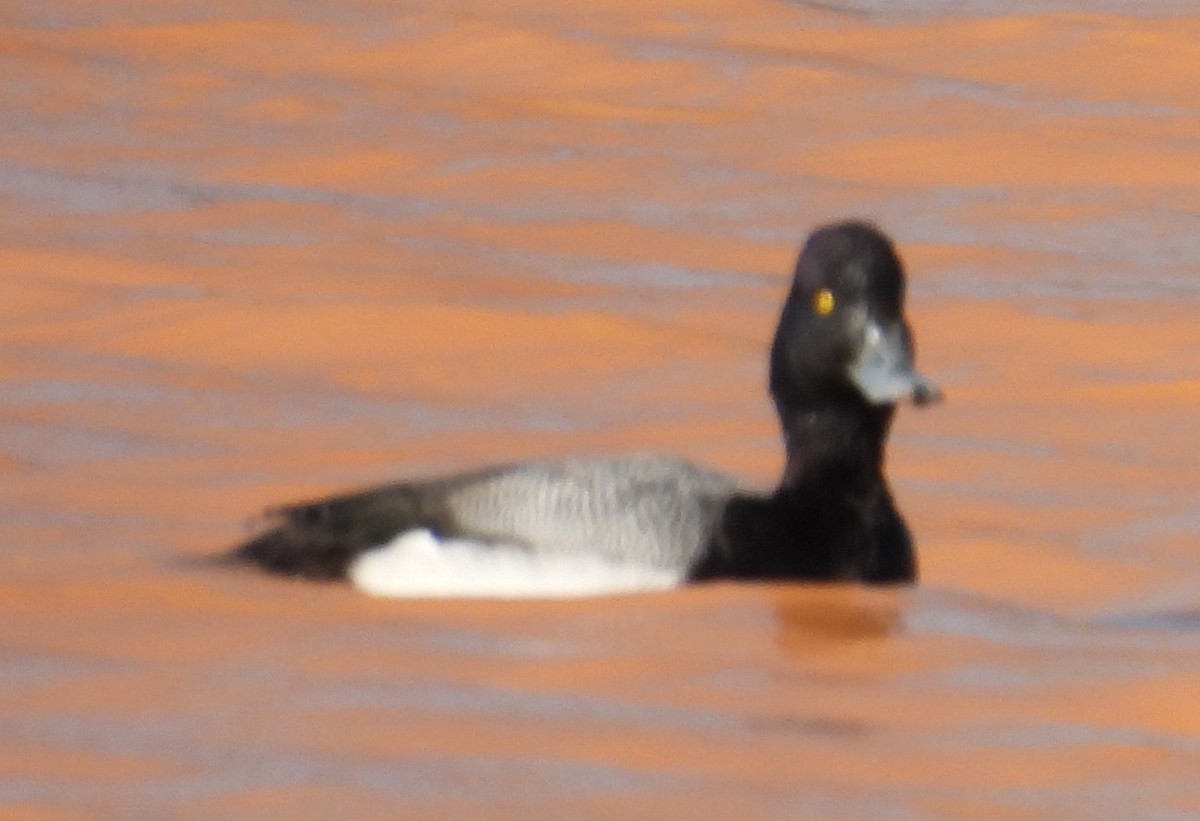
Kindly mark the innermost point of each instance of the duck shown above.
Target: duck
(841, 361)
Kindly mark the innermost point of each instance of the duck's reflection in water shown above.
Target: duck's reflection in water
(812, 617)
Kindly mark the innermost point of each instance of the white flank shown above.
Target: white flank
(417, 564)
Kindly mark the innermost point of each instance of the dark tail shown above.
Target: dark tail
(306, 553)
(319, 540)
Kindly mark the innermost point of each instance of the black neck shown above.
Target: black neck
(839, 443)
(831, 518)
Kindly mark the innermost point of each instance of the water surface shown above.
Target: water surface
(255, 252)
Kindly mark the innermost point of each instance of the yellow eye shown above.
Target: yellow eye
(823, 301)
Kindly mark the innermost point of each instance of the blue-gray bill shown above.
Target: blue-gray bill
(884, 371)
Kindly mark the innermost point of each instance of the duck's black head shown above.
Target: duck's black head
(841, 360)
(843, 356)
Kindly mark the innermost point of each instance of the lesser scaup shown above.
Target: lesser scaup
(841, 359)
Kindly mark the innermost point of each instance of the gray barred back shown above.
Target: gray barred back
(649, 509)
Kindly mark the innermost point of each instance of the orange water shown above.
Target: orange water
(256, 251)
